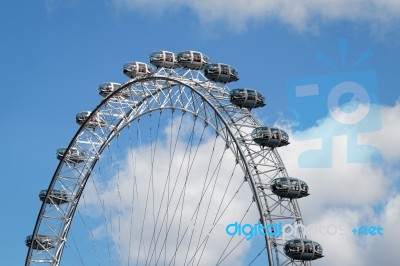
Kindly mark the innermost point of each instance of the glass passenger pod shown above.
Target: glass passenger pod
(270, 137)
(107, 88)
(135, 69)
(40, 242)
(94, 121)
(192, 60)
(289, 187)
(163, 59)
(303, 249)
(221, 73)
(247, 98)
(74, 155)
(56, 196)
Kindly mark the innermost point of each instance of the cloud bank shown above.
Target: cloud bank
(349, 195)
(183, 191)
(302, 15)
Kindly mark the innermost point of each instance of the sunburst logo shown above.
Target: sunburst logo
(341, 103)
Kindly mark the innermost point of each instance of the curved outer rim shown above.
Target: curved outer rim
(206, 98)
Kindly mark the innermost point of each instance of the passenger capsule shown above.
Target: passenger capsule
(40, 242)
(135, 69)
(56, 196)
(221, 73)
(303, 249)
(289, 187)
(247, 98)
(107, 88)
(94, 121)
(73, 156)
(270, 137)
(192, 60)
(163, 59)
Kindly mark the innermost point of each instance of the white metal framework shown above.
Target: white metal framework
(190, 94)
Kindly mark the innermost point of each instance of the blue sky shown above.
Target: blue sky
(54, 53)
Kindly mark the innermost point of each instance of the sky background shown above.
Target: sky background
(54, 53)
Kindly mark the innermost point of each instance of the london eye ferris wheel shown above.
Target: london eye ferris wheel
(161, 166)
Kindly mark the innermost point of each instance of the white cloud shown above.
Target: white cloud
(117, 194)
(301, 15)
(386, 139)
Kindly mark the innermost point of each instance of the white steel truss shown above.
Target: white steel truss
(189, 92)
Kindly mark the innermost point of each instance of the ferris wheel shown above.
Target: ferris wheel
(172, 168)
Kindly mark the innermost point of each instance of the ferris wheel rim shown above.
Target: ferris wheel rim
(110, 138)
